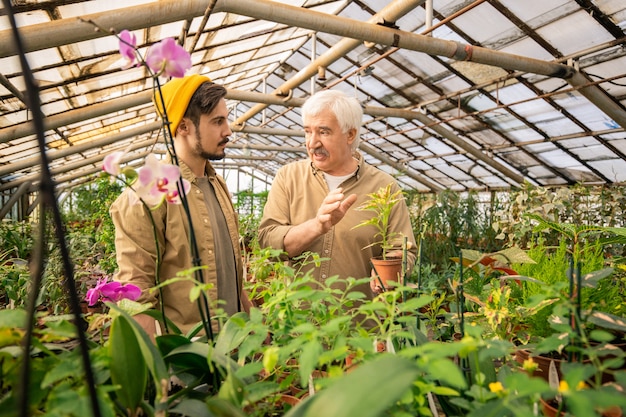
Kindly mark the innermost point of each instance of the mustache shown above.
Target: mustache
(319, 151)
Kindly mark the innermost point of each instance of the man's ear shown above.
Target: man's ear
(351, 136)
(183, 127)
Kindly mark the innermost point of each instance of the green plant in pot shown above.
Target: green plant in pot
(389, 266)
(492, 293)
(592, 379)
(575, 330)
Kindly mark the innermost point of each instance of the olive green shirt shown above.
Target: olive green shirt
(137, 251)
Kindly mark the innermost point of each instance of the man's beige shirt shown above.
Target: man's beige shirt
(297, 193)
(137, 251)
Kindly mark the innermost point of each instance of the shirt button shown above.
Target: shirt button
(210, 252)
(323, 275)
(206, 221)
(197, 191)
(325, 250)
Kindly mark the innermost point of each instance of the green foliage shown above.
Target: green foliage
(384, 382)
(550, 268)
(249, 206)
(302, 333)
(450, 220)
(90, 238)
(581, 206)
(14, 279)
(88, 210)
(381, 202)
(16, 239)
(127, 364)
(56, 374)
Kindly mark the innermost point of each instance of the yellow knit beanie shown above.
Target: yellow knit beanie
(176, 96)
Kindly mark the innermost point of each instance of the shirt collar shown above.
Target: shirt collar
(356, 155)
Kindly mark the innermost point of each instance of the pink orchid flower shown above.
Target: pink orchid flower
(158, 181)
(111, 163)
(112, 291)
(128, 45)
(168, 58)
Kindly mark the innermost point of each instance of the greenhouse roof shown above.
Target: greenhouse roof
(457, 95)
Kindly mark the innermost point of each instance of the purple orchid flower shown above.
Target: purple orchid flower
(112, 291)
(156, 182)
(111, 163)
(128, 45)
(168, 58)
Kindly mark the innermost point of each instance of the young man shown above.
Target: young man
(196, 110)
(308, 206)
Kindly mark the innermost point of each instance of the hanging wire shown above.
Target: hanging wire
(461, 296)
(48, 197)
(202, 301)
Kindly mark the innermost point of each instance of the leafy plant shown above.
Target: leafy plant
(14, 279)
(382, 202)
(87, 209)
(16, 239)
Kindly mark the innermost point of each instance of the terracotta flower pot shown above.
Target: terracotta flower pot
(389, 269)
(542, 361)
(550, 409)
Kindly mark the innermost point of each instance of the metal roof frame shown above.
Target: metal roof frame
(462, 95)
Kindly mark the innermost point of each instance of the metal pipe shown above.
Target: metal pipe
(118, 137)
(598, 97)
(15, 197)
(34, 178)
(364, 31)
(317, 21)
(313, 56)
(273, 99)
(68, 31)
(271, 148)
(452, 137)
(384, 158)
(21, 130)
(428, 20)
(73, 116)
(52, 155)
(77, 29)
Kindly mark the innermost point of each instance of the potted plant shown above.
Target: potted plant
(389, 265)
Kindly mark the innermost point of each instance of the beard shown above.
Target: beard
(211, 156)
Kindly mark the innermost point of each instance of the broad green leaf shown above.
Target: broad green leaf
(232, 334)
(151, 355)
(12, 318)
(192, 357)
(193, 408)
(169, 342)
(308, 360)
(128, 367)
(232, 390)
(592, 279)
(447, 372)
(608, 321)
(377, 385)
(66, 367)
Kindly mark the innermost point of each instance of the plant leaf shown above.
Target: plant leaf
(364, 383)
(128, 367)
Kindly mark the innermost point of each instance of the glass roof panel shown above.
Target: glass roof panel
(475, 112)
